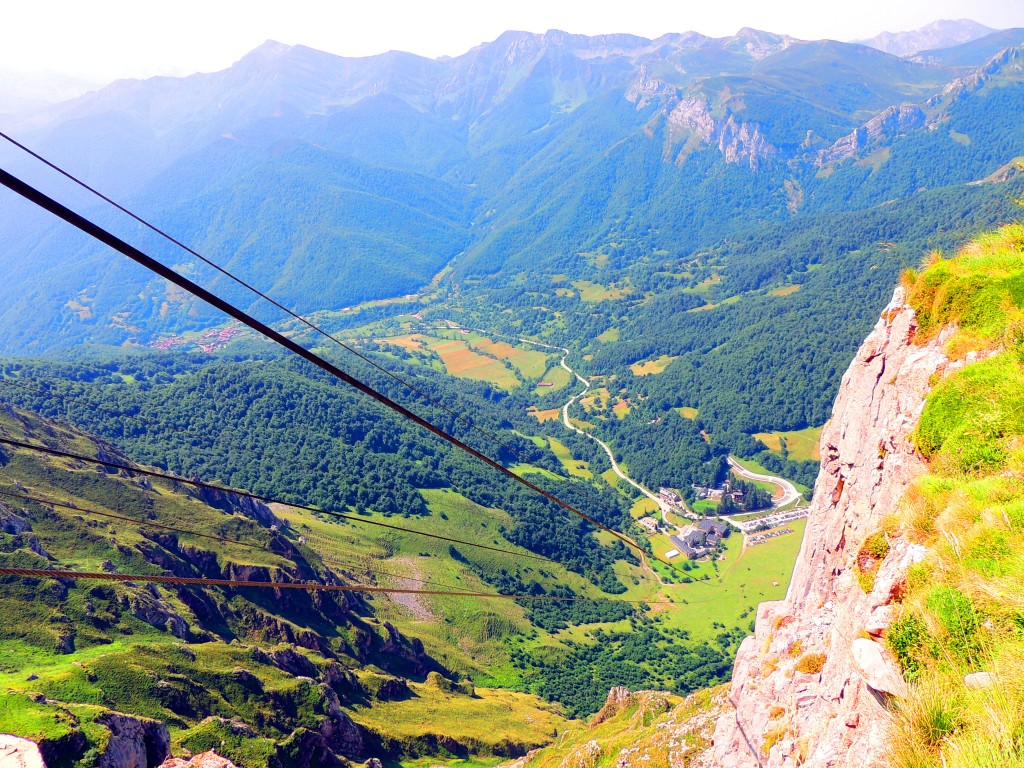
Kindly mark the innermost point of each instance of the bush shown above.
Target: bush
(907, 638)
(811, 663)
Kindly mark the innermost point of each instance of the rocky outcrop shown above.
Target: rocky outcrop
(878, 132)
(135, 742)
(810, 687)
(19, 753)
(11, 522)
(148, 605)
(204, 760)
(233, 502)
(691, 120)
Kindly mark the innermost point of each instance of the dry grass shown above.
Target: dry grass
(461, 361)
(652, 367)
(802, 444)
(552, 414)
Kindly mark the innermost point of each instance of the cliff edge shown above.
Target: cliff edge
(809, 687)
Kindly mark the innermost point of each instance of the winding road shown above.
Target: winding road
(789, 491)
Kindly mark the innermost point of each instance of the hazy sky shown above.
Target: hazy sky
(105, 39)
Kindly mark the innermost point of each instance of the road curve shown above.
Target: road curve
(789, 491)
(663, 505)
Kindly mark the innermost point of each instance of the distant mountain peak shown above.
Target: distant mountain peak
(758, 43)
(943, 33)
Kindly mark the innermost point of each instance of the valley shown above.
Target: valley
(629, 273)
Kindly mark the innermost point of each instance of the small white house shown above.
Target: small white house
(672, 553)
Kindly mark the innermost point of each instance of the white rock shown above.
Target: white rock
(880, 619)
(876, 668)
(980, 680)
(19, 753)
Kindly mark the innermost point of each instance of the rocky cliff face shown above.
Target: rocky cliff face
(810, 687)
(691, 120)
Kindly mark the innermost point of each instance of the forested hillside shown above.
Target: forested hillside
(673, 246)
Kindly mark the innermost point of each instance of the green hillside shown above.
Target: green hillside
(963, 611)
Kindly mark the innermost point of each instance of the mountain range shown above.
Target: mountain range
(944, 33)
(528, 148)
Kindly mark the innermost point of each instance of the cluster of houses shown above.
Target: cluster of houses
(700, 540)
(703, 492)
(210, 341)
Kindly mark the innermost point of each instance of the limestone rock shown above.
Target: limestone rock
(867, 462)
(19, 753)
(203, 760)
(880, 620)
(12, 523)
(585, 755)
(980, 680)
(135, 742)
(878, 670)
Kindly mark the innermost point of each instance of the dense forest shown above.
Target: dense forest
(276, 427)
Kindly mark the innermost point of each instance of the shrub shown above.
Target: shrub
(907, 638)
(811, 663)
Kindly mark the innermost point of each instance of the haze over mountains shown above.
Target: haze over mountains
(521, 151)
(944, 33)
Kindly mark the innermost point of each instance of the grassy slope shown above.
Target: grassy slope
(658, 729)
(118, 657)
(801, 443)
(965, 610)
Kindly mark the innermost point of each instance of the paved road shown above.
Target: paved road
(663, 505)
(789, 491)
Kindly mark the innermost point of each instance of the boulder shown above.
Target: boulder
(203, 760)
(980, 680)
(19, 753)
(134, 742)
(877, 668)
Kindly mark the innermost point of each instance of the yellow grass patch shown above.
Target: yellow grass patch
(589, 402)
(802, 443)
(569, 462)
(651, 367)
(552, 414)
(412, 343)
(686, 412)
(596, 292)
(787, 290)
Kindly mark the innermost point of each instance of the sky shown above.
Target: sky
(101, 40)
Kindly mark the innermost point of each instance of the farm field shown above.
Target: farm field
(551, 414)
(652, 367)
(569, 462)
(461, 361)
(802, 443)
(557, 376)
(744, 579)
(529, 362)
(643, 506)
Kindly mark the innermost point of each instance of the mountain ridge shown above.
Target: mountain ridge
(943, 33)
